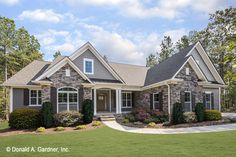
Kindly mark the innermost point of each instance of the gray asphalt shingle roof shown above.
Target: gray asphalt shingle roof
(167, 69)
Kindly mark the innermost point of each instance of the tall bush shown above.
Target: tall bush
(177, 114)
(25, 118)
(87, 110)
(47, 114)
(212, 115)
(68, 118)
(200, 111)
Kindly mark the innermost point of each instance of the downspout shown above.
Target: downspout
(168, 86)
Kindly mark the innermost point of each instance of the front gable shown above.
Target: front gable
(102, 70)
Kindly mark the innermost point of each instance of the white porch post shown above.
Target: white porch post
(110, 100)
(95, 101)
(11, 99)
(117, 101)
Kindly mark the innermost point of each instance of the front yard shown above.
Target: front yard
(107, 142)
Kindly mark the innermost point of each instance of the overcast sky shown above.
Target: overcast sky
(124, 30)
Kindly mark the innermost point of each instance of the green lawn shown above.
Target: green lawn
(3, 125)
(106, 142)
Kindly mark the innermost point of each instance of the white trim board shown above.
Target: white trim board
(207, 60)
(89, 46)
(84, 66)
(58, 66)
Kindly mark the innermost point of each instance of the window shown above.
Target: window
(187, 71)
(208, 100)
(88, 66)
(35, 97)
(187, 101)
(67, 99)
(156, 103)
(126, 99)
(67, 72)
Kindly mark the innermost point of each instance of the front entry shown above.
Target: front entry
(101, 102)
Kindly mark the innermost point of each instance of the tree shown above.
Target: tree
(151, 60)
(17, 49)
(182, 43)
(56, 54)
(167, 49)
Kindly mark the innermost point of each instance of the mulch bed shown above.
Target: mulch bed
(10, 132)
(185, 125)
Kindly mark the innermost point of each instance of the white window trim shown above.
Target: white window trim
(208, 92)
(153, 101)
(131, 99)
(67, 105)
(89, 60)
(190, 102)
(68, 72)
(37, 97)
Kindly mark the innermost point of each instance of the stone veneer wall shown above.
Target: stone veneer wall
(60, 79)
(190, 83)
(142, 98)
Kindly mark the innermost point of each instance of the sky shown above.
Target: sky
(126, 31)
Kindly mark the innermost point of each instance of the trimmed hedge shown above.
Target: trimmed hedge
(47, 114)
(190, 117)
(71, 118)
(25, 118)
(211, 115)
(177, 114)
(87, 110)
(200, 111)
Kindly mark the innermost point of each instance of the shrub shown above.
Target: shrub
(199, 111)
(87, 110)
(177, 114)
(151, 125)
(80, 127)
(130, 117)
(141, 114)
(162, 116)
(47, 114)
(59, 128)
(212, 115)
(125, 120)
(152, 119)
(189, 117)
(96, 123)
(41, 129)
(25, 118)
(65, 118)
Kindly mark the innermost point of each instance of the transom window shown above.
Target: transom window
(35, 97)
(67, 99)
(187, 101)
(126, 99)
(88, 66)
(156, 101)
(208, 100)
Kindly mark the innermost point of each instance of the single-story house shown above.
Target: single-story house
(188, 77)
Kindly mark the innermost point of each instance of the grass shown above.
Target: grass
(106, 142)
(3, 125)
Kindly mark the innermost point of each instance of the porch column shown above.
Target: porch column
(11, 99)
(95, 101)
(219, 98)
(120, 100)
(117, 101)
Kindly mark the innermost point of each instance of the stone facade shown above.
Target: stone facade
(46, 96)
(142, 98)
(87, 93)
(190, 83)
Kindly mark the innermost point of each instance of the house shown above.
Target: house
(188, 77)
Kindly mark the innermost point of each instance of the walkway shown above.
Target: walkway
(201, 129)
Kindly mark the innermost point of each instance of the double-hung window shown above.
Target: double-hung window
(156, 101)
(35, 97)
(126, 99)
(88, 66)
(208, 100)
(187, 101)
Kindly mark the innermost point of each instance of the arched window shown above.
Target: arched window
(67, 99)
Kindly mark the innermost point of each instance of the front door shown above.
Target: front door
(101, 102)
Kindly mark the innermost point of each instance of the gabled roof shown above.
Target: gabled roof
(60, 64)
(27, 74)
(133, 75)
(168, 68)
(89, 46)
(55, 61)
